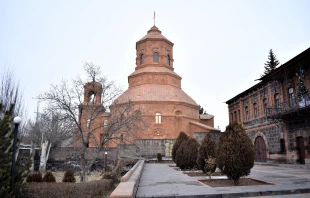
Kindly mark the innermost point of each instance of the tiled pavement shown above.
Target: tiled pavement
(161, 180)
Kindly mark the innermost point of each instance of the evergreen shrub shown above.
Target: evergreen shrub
(49, 177)
(235, 155)
(68, 176)
(206, 150)
(34, 177)
(159, 157)
(186, 155)
(181, 138)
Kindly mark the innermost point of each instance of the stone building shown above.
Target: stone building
(156, 89)
(275, 116)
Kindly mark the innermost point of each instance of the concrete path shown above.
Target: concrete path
(160, 180)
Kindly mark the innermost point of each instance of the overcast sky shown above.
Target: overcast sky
(219, 46)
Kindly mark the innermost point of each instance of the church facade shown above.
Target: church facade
(155, 89)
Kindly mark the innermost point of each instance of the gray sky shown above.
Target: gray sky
(220, 46)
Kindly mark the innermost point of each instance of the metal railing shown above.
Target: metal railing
(293, 105)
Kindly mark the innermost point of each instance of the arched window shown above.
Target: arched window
(105, 123)
(158, 118)
(142, 59)
(168, 60)
(291, 96)
(277, 100)
(255, 110)
(247, 113)
(155, 57)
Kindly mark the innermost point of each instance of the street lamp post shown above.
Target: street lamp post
(17, 120)
(105, 161)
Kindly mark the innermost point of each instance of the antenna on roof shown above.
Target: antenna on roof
(154, 18)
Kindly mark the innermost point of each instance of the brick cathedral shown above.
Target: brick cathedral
(156, 89)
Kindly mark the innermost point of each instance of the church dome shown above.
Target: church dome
(154, 33)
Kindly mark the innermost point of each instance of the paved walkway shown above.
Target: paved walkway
(160, 180)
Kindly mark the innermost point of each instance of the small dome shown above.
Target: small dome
(154, 33)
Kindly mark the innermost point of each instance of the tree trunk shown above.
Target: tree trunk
(32, 153)
(46, 146)
(84, 167)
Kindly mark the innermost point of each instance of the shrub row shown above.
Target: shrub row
(234, 155)
(67, 190)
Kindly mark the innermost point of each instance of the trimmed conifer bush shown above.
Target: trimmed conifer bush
(235, 155)
(187, 154)
(34, 177)
(181, 138)
(206, 150)
(49, 177)
(159, 157)
(68, 176)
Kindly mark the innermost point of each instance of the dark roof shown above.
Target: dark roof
(244, 92)
(265, 78)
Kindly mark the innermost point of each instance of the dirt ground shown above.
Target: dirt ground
(94, 176)
(230, 182)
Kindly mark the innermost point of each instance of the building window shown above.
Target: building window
(232, 117)
(155, 57)
(158, 118)
(239, 115)
(247, 113)
(291, 96)
(168, 60)
(105, 123)
(265, 106)
(142, 59)
(255, 110)
(282, 146)
(88, 123)
(277, 100)
(236, 118)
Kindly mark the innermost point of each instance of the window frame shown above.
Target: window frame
(158, 118)
(141, 59)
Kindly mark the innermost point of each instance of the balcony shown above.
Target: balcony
(294, 108)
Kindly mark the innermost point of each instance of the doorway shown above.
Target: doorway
(260, 150)
(300, 149)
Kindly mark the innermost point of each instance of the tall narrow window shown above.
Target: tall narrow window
(291, 96)
(87, 123)
(255, 110)
(142, 59)
(265, 106)
(158, 118)
(105, 123)
(236, 118)
(155, 57)
(282, 146)
(277, 100)
(232, 117)
(247, 113)
(239, 115)
(168, 60)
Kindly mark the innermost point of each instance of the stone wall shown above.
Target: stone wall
(272, 135)
(200, 135)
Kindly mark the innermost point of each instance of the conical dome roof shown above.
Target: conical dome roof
(154, 33)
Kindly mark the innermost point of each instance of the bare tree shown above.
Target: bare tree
(49, 129)
(86, 103)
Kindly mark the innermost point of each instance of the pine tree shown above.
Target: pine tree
(181, 138)
(271, 63)
(202, 111)
(206, 151)
(6, 136)
(301, 90)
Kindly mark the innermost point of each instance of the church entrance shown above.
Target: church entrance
(300, 149)
(260, 150)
